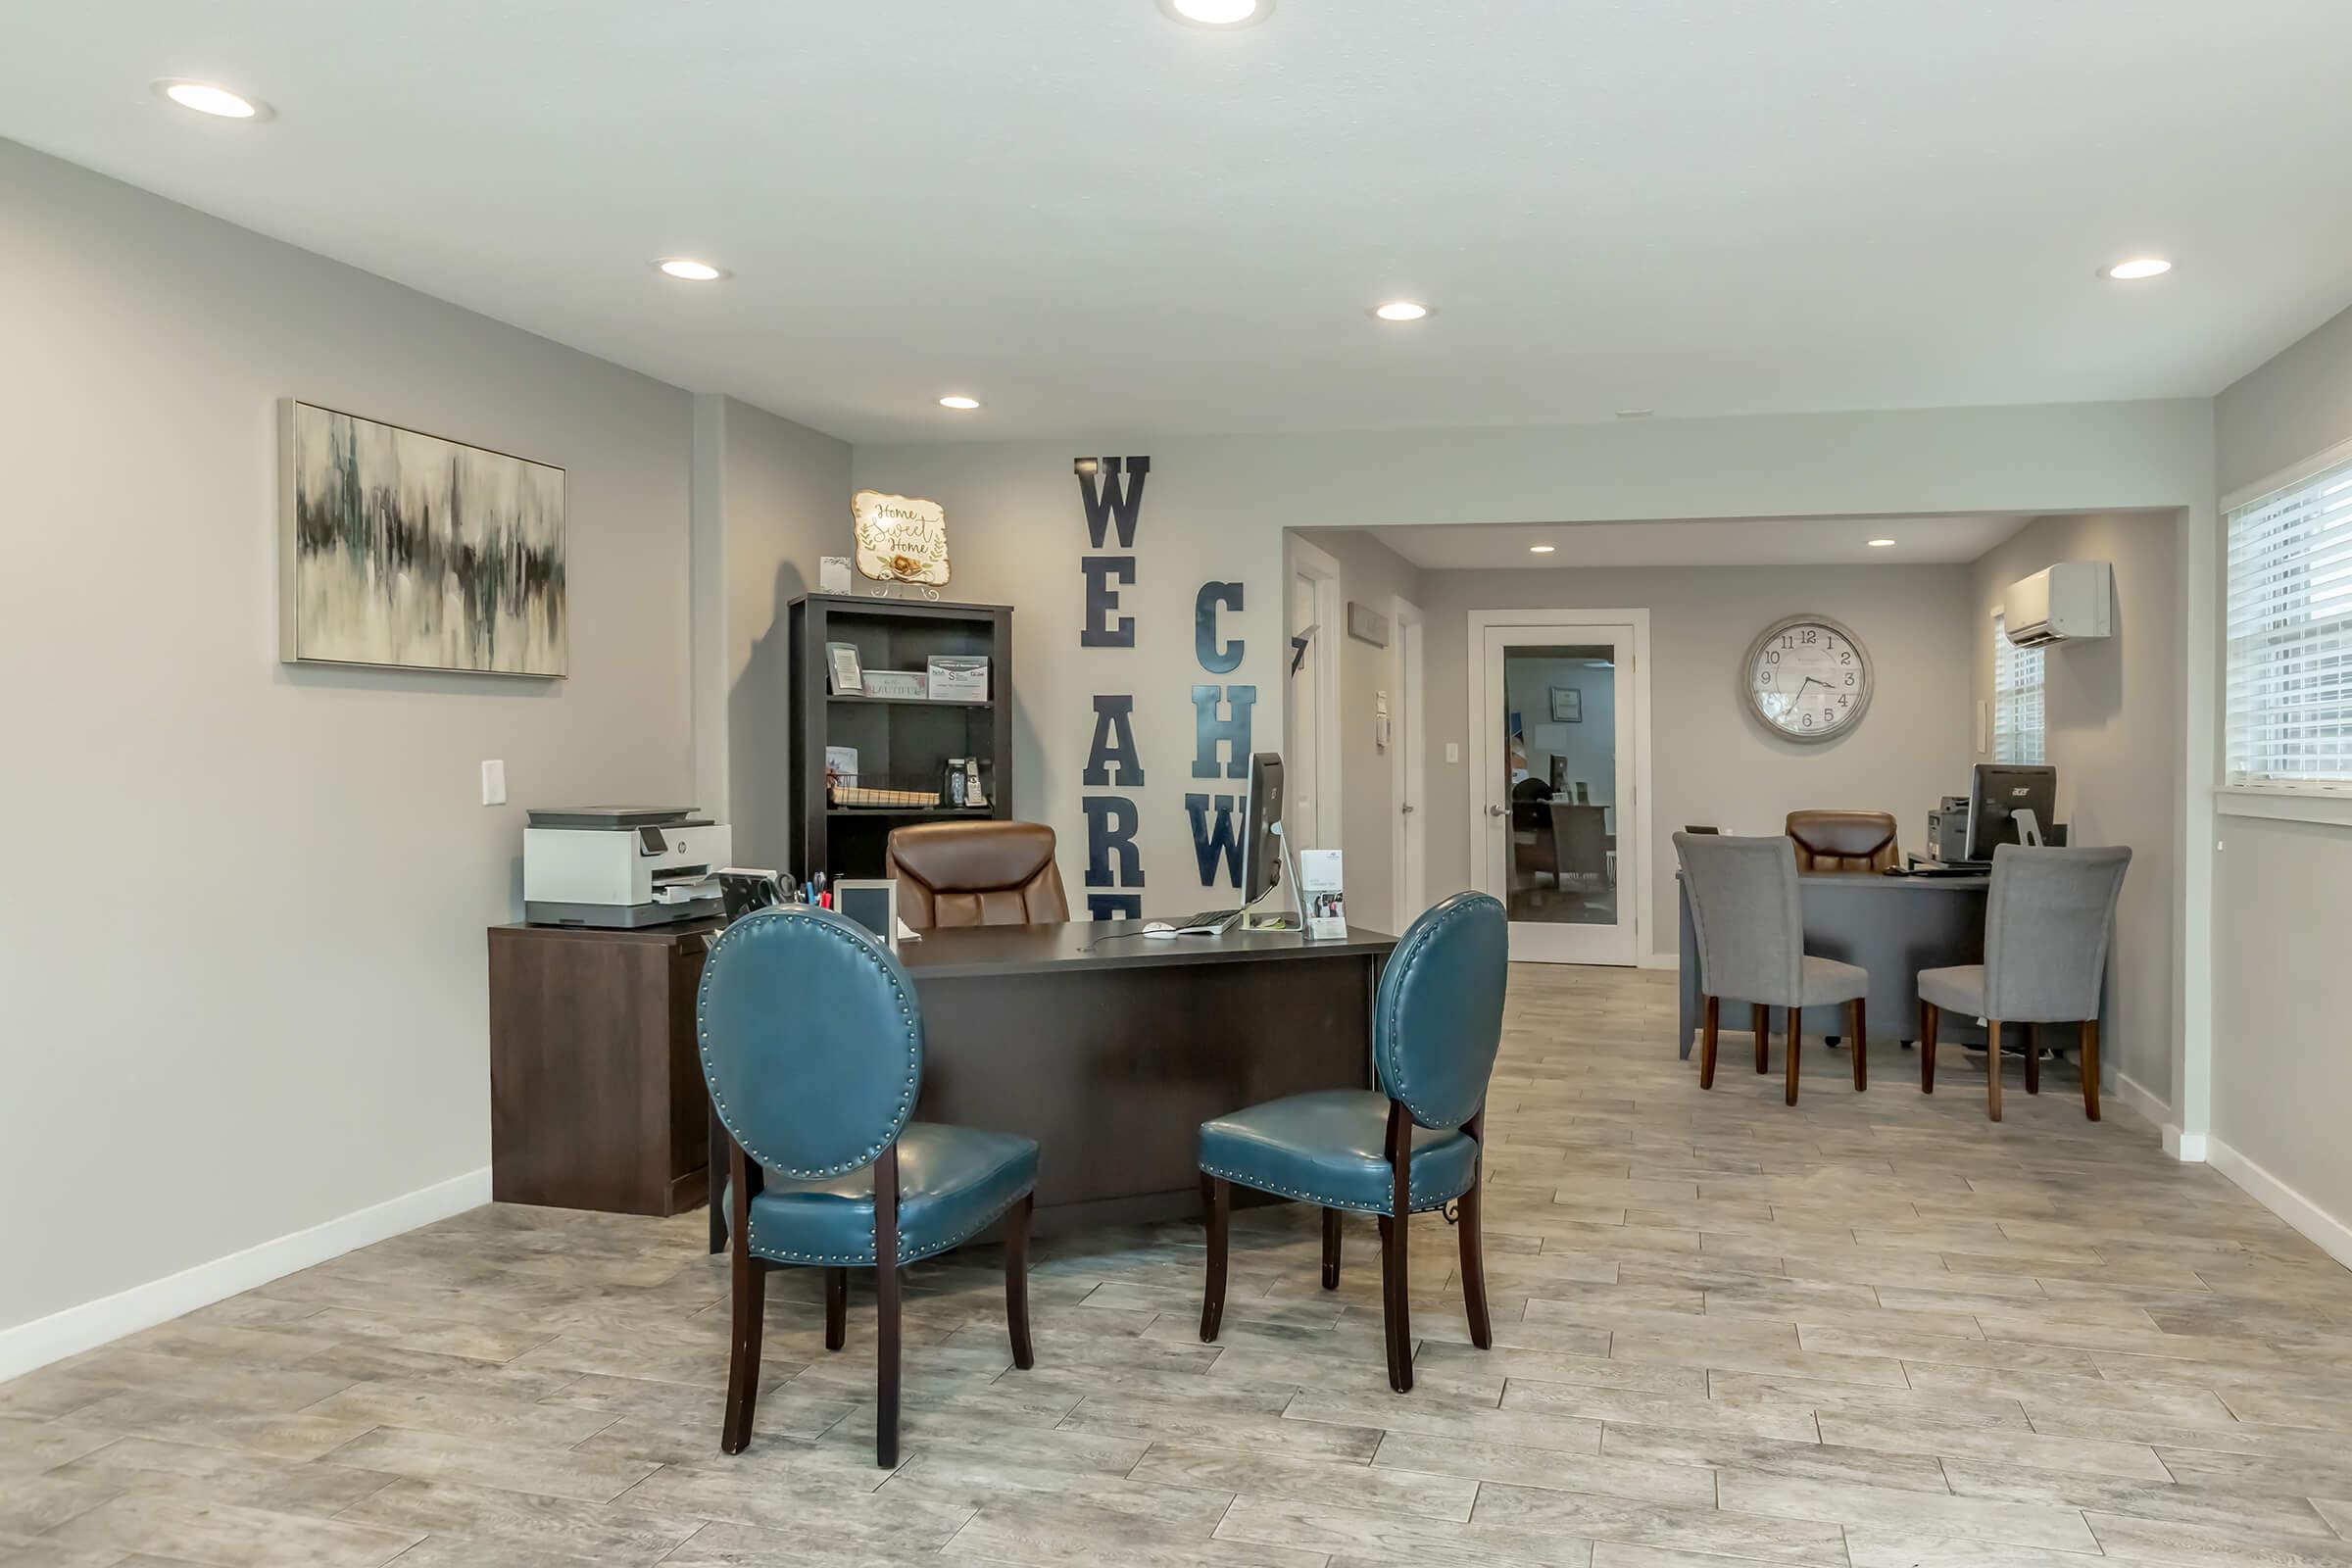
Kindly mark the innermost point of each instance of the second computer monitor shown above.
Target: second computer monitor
(1997, 792)
(1261, 847)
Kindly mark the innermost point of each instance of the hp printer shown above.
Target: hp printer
(621, 865)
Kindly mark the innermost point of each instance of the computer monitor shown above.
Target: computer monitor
(1998, 793)
(1261, 842)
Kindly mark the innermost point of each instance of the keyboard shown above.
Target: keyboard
(1213, 921)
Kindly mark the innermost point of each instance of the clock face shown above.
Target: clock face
(1807, 679)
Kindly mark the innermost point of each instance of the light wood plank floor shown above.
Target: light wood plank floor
(1873, 1331)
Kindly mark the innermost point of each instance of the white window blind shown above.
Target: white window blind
(2017, 707)
(2288, 694)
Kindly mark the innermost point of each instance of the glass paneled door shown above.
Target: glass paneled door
(1554, 793)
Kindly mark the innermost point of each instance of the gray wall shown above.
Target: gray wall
(1713, 762)
(241, 949)
(2282, 891)
(772, 497)
(2113, 724)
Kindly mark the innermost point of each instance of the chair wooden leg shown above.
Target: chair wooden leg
(1790, 1041)
(1474, 1248)
(837, 1307)
(1331, 1248)
(1016, 1279)
(1926, 1046)
(1396, 1277)
(2090, 1068)
(743, 1361)
(1763, 1038)
(1710, 1018)
(748, 1311)
(1992, 1068)
(1212, 1300)
(2033, 1058)
(886, 1308)
(1856, 1023)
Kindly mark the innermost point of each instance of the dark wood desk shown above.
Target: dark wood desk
(1111, 1048)
(1892, 926)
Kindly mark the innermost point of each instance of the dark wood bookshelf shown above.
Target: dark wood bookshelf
(902, 742)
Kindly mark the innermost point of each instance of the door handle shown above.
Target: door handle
(1494, 811)
(1407, 807)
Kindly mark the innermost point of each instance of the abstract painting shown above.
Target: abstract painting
(407, 550)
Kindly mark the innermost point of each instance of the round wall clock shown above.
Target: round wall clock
(1807, 679)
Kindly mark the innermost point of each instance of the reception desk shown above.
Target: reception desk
(1111, 1048)
(1892, 926)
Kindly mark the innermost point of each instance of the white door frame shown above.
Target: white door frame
(1306, 560)
(1485, 762)
(1408, 763)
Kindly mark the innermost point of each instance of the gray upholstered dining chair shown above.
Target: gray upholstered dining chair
(2048, 918)
(1747, 909)
(813, 1046)
(1410, 1146)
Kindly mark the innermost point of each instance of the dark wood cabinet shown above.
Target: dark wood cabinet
(596, 1092)
(902, 743)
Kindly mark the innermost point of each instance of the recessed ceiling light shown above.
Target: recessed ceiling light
(1880, 544)
(1218, 14)
(957, 399)
(2138, 268)
(1542, 550)
(207, 99)
(1632, 413)
(1400, 311)
(688, 269)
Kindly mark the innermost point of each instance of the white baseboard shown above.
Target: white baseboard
(2334, 1236)
(2187, 1148)
(1659, 961)
(93, 1323)
(2141, 1099)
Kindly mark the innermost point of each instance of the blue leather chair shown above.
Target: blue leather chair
(812, 1044)
(1410, 1146)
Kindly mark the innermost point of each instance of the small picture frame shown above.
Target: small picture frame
(844, 676)
(833, 575)
(911, 684)
(1567, 704)
(871, 901)
(958, 678)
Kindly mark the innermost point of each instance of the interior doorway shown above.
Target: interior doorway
(1311, 711)
(1560, 735)
(1408, 763)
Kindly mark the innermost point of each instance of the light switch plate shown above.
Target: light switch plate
(494, 783)
(1453, 751)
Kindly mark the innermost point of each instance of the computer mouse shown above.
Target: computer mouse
(1160, 928)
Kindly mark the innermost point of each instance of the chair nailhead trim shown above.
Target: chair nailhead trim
(1421, 941)
(872, 954)
(910, 1250)
(1418, 1202)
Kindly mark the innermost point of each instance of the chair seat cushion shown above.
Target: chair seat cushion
(1826, 980)
(1331, 1148)
(952, 1182)
(1958, 988)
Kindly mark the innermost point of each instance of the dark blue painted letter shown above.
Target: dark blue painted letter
(1217, 658)
(1113, 760)
(1209, 731)
(1110, 825)
(1100, 630)
(1108, 501)
(1215, 843)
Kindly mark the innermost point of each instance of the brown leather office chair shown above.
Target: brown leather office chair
(1843, 841)
(976, 873)
(1860, 841)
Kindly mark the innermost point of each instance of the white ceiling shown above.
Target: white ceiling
(1099, 220)
(1705, 542)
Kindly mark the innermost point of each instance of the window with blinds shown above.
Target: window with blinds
(2289, 687)
(2017, 707)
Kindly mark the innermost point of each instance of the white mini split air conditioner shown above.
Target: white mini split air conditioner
(2058, 603)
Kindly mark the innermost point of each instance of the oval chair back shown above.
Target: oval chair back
(2047, 920)
(1438, 1018)
(1746, 913)
(810, 1041)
